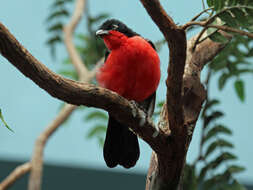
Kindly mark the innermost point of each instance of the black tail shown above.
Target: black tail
(121, 145)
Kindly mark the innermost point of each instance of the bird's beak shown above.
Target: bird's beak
(101, 33)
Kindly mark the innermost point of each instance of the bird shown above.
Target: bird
(132, 69)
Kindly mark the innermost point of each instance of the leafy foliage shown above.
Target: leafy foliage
(215, 161)
(234, 59)
(215, 153)
(99, 127)
(55, 21)
(232, 62)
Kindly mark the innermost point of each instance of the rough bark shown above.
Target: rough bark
(185, 96)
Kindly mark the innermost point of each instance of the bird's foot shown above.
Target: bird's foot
(137, 108)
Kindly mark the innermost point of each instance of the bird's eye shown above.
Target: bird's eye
(114, 26)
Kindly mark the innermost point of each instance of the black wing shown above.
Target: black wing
(149, 103)
(151, 43)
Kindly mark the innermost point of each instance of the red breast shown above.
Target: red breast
(132, 68)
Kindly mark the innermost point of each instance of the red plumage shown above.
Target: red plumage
(132, 68)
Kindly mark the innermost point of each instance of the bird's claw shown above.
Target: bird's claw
(142, 113)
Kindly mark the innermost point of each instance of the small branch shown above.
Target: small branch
(37, 158)
(234, 30)
(68, 39)
(198, 38)
(202, 12)
(220, 27)
(17, 173)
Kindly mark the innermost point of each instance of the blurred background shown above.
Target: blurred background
(74, 152)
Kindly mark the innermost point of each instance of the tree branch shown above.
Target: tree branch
(176, 40)
(192, 100)
(15, 175)
(220, 27)
(78, 93)
(171, 160)
(75, 58)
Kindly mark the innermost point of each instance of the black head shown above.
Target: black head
(114, 24)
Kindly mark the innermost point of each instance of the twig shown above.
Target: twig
(222, 27)
(17, 173)
(68, 40)
(211, 18)
(198, 15)
(198, 38)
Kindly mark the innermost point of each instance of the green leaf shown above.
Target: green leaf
(231, 3)
(55, 27)
(215, 182)
(57, 14)
(219, 143)
(59, 3)
(209, 104)
(53, 40)
(218, 4)
(214, 115)
(218, 129)
(234, 169)
(239, 89)
(5, 124)
(210, 3)
(236, 186)
(96, 115)
(222, 80)
(228, 19)
(222, 158)
(189, 178)
(217, 37)
(218, 64)
(240, 17)
(160, 104)
(97, 130)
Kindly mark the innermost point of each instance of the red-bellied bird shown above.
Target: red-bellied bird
(131, 69)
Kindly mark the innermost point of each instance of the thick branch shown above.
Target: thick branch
(15, 175)
(171, 159)
(176, 39)
(78, 93)
(194, 96)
